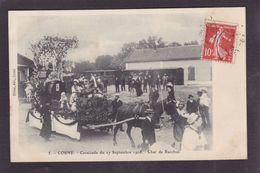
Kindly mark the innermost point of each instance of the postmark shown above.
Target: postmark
(219, 42)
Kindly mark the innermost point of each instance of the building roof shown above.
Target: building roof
(24, 61)
(165, 54)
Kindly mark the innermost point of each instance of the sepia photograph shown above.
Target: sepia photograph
(126, 85)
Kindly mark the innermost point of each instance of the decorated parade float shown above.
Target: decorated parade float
(84, 110)
(82, 106)
(74, 107)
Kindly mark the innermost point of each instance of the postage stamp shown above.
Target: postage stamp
(219, 42)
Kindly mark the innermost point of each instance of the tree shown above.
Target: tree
(52, 50)
(195, 42)
(118, 60)
(83, 66)
(152, 42)
(103, 62)
(174, 44)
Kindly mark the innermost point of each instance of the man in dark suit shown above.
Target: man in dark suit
(148, 131)
(153, 96)
(116, 103)
(192, 105)
(122, 82)
(117, 82)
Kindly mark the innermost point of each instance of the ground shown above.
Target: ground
(97, 140)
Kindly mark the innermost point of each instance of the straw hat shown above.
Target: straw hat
(169, 84)
(203, 89)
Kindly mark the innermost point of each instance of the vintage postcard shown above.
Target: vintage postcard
(128, 85)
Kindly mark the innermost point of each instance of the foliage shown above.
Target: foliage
(195, 42)
(94, 110)
(174, 44)
(52, 49)
(103, 62)
(83, 66)
(152, 42)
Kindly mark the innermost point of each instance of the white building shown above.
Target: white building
(183, 62)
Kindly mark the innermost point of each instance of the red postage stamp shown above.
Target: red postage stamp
(219, 42)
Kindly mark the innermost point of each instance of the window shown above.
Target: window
(21, 76)
(191, 73)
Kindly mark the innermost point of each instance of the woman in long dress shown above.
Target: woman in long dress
(46, 115)
(178, 116)
(193, 136)
(138, 87)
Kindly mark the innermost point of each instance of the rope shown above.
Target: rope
(92, 126)
(111, 124)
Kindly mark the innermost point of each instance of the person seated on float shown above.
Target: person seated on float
(81, 79)
(85, 83)
(96, 93)
(193, 136)
(86, 89)
(75, 87)
(73, 102)
(64, 101)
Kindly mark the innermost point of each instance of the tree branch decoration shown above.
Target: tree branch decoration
(54, 50)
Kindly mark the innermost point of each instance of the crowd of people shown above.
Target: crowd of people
(139, 83)
(190, 119)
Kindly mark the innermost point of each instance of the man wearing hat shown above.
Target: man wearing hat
(153, 96)
(148, 132)
(117, 83)
(192, 105)
(170, 89)
(193, 136)
(116, 103)
(164, 80)
(204, 102)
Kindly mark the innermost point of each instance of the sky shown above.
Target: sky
(105, 33)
